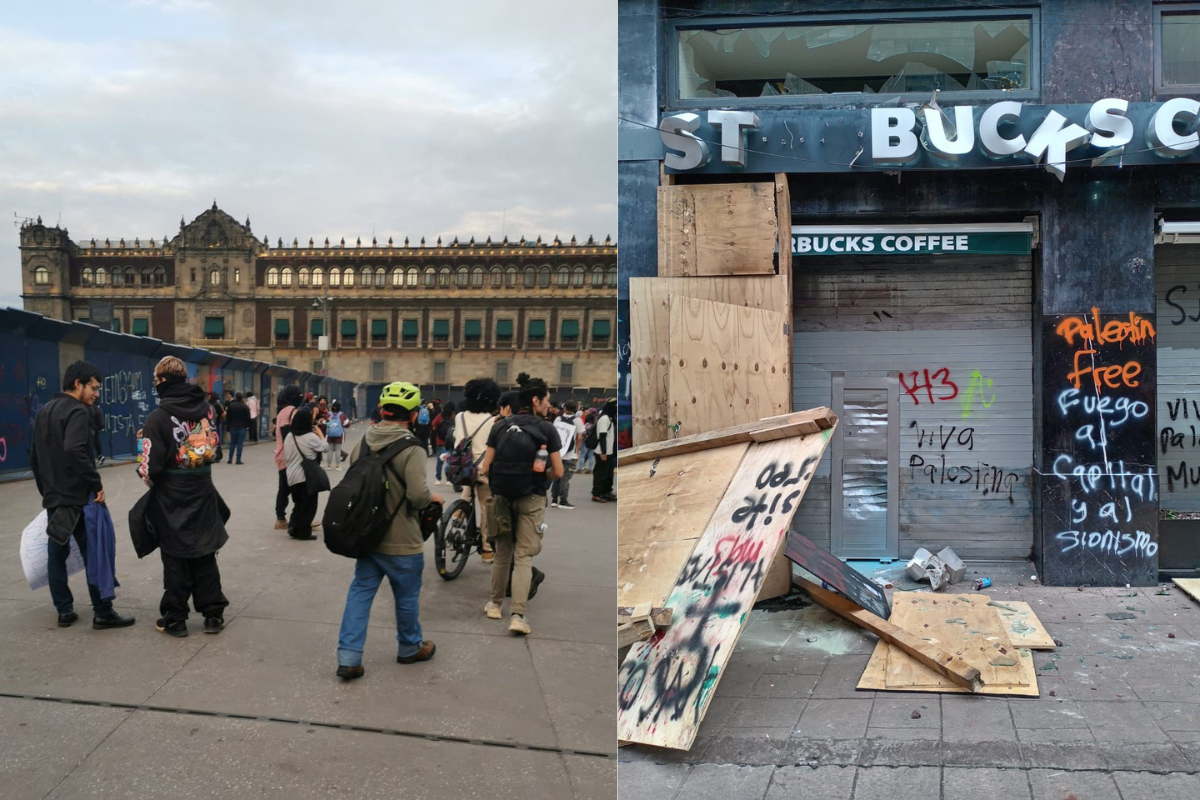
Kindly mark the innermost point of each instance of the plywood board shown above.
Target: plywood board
(783, 426)
(662, 516)
(666, 683)
(1022, 625)
(874, 677)
(716, 229)
(650, 344)
(838, 574)
(1189, 585)
(965, 625)
(728, 365)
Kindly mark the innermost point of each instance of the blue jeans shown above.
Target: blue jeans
(236, 440)
(56, 573)
(404, 574)
(438, 449)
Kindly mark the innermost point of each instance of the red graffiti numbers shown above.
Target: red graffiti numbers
(924, 381)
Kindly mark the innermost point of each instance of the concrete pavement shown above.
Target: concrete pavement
(257, 711)
(1118, 714)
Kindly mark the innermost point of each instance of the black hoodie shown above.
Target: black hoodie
(181, 433)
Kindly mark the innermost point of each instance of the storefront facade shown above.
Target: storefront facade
(993, 282)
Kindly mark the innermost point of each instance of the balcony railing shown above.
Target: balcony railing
(210, 343)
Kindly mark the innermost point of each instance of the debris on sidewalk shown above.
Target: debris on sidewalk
(638, 623)
(942, 570)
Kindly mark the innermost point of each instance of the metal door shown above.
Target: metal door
(866, 450)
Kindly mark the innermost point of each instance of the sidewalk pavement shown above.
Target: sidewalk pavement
(1118, 716)
(256, 711)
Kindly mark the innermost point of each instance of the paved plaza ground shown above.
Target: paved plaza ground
(256, 711)
(1118, 717)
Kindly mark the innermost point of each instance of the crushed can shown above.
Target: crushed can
(983, 583)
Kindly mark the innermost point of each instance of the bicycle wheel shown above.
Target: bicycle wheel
(454, 537)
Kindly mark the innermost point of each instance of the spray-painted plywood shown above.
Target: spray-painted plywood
(717, 229)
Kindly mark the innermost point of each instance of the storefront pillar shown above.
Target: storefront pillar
(1095, 364)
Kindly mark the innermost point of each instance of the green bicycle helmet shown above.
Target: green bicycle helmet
(402, 394)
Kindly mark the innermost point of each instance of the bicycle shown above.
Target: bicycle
(457, 534)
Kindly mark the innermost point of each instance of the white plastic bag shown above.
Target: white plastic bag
(34, 555)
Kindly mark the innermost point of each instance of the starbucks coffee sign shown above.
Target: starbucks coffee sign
(899, 240)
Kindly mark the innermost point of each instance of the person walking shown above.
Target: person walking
(400, 557)
(606, 454)
(482, 395)
(66, 478)
(184, 507)
(288, 401)
(237, 418)
(302, 444)
(335, 433)
(522, 456)
(587, 455)
(570, 434)
(424, 420)
(252, 404)
(443, 432)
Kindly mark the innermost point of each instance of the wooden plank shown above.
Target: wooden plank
(627, 635)
(874, 677)
(716, 229)
(650, 320)
(1024, 628)
(666, 684)
(783, 426)
(728, 365)
(1189, 585)
(935, 658)
(783, 215)
(662, 515)
(964, 624)
(660, 616)
(829, 568)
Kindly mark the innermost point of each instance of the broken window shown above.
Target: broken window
(893, 57)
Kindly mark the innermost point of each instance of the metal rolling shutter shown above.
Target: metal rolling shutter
(967, 320)
(1177, 294)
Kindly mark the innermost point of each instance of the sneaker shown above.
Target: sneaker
(535, 581)
(112, 621)
(554, 504)
(214, 624)
(488, 557)
(281, 524)
(566, 506)
(176, 629)
(492, 610)
(315, 526)
(67, 619)
(518, 625)
(338, 468)
(596, 499)
(612, 498)
(426, 652)
(350, 673)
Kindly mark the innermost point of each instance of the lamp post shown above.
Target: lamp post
(323, 304)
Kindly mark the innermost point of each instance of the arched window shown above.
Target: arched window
(160, 276)
(462, 277)
(444, 276)
(101, 276)
(366, 278)
(544, 277)
(335, 277)
(348, 277)
(273, 276)
(413, 276)
(612, 276)
(41, 276)
(145, 276)
(302, 277)
(477, 276)
(116, 276)
(579, 277)
(597, 277)
(318, 276)
(286, 277)
(530, 277)
(397, 277)
(564, 277)
(85, 279)
(130, 277)
(430, 276)
(214, 277)
(497, 276)
(510, 277)
(380, 277)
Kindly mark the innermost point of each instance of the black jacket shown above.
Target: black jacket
(237, 416)
(61, 455)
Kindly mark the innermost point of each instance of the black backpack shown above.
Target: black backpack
(591, 438)
(445, 427)
(356, 516)
(517, 446)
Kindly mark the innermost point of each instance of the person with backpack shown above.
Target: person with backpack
(335, 433)
(570, 434)
(424, 420)
(183, 506)
(522, 457)
(587, 452)
(606, 454)
(289, 401)
(443, 430)
(302, 449)
(388, 454)
(471, 429)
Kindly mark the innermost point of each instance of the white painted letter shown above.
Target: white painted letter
(964, 136)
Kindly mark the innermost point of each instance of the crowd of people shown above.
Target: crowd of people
(505, 451)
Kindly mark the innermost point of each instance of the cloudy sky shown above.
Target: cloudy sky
(459, 117)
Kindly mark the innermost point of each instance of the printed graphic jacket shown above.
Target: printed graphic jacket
(180, 434)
